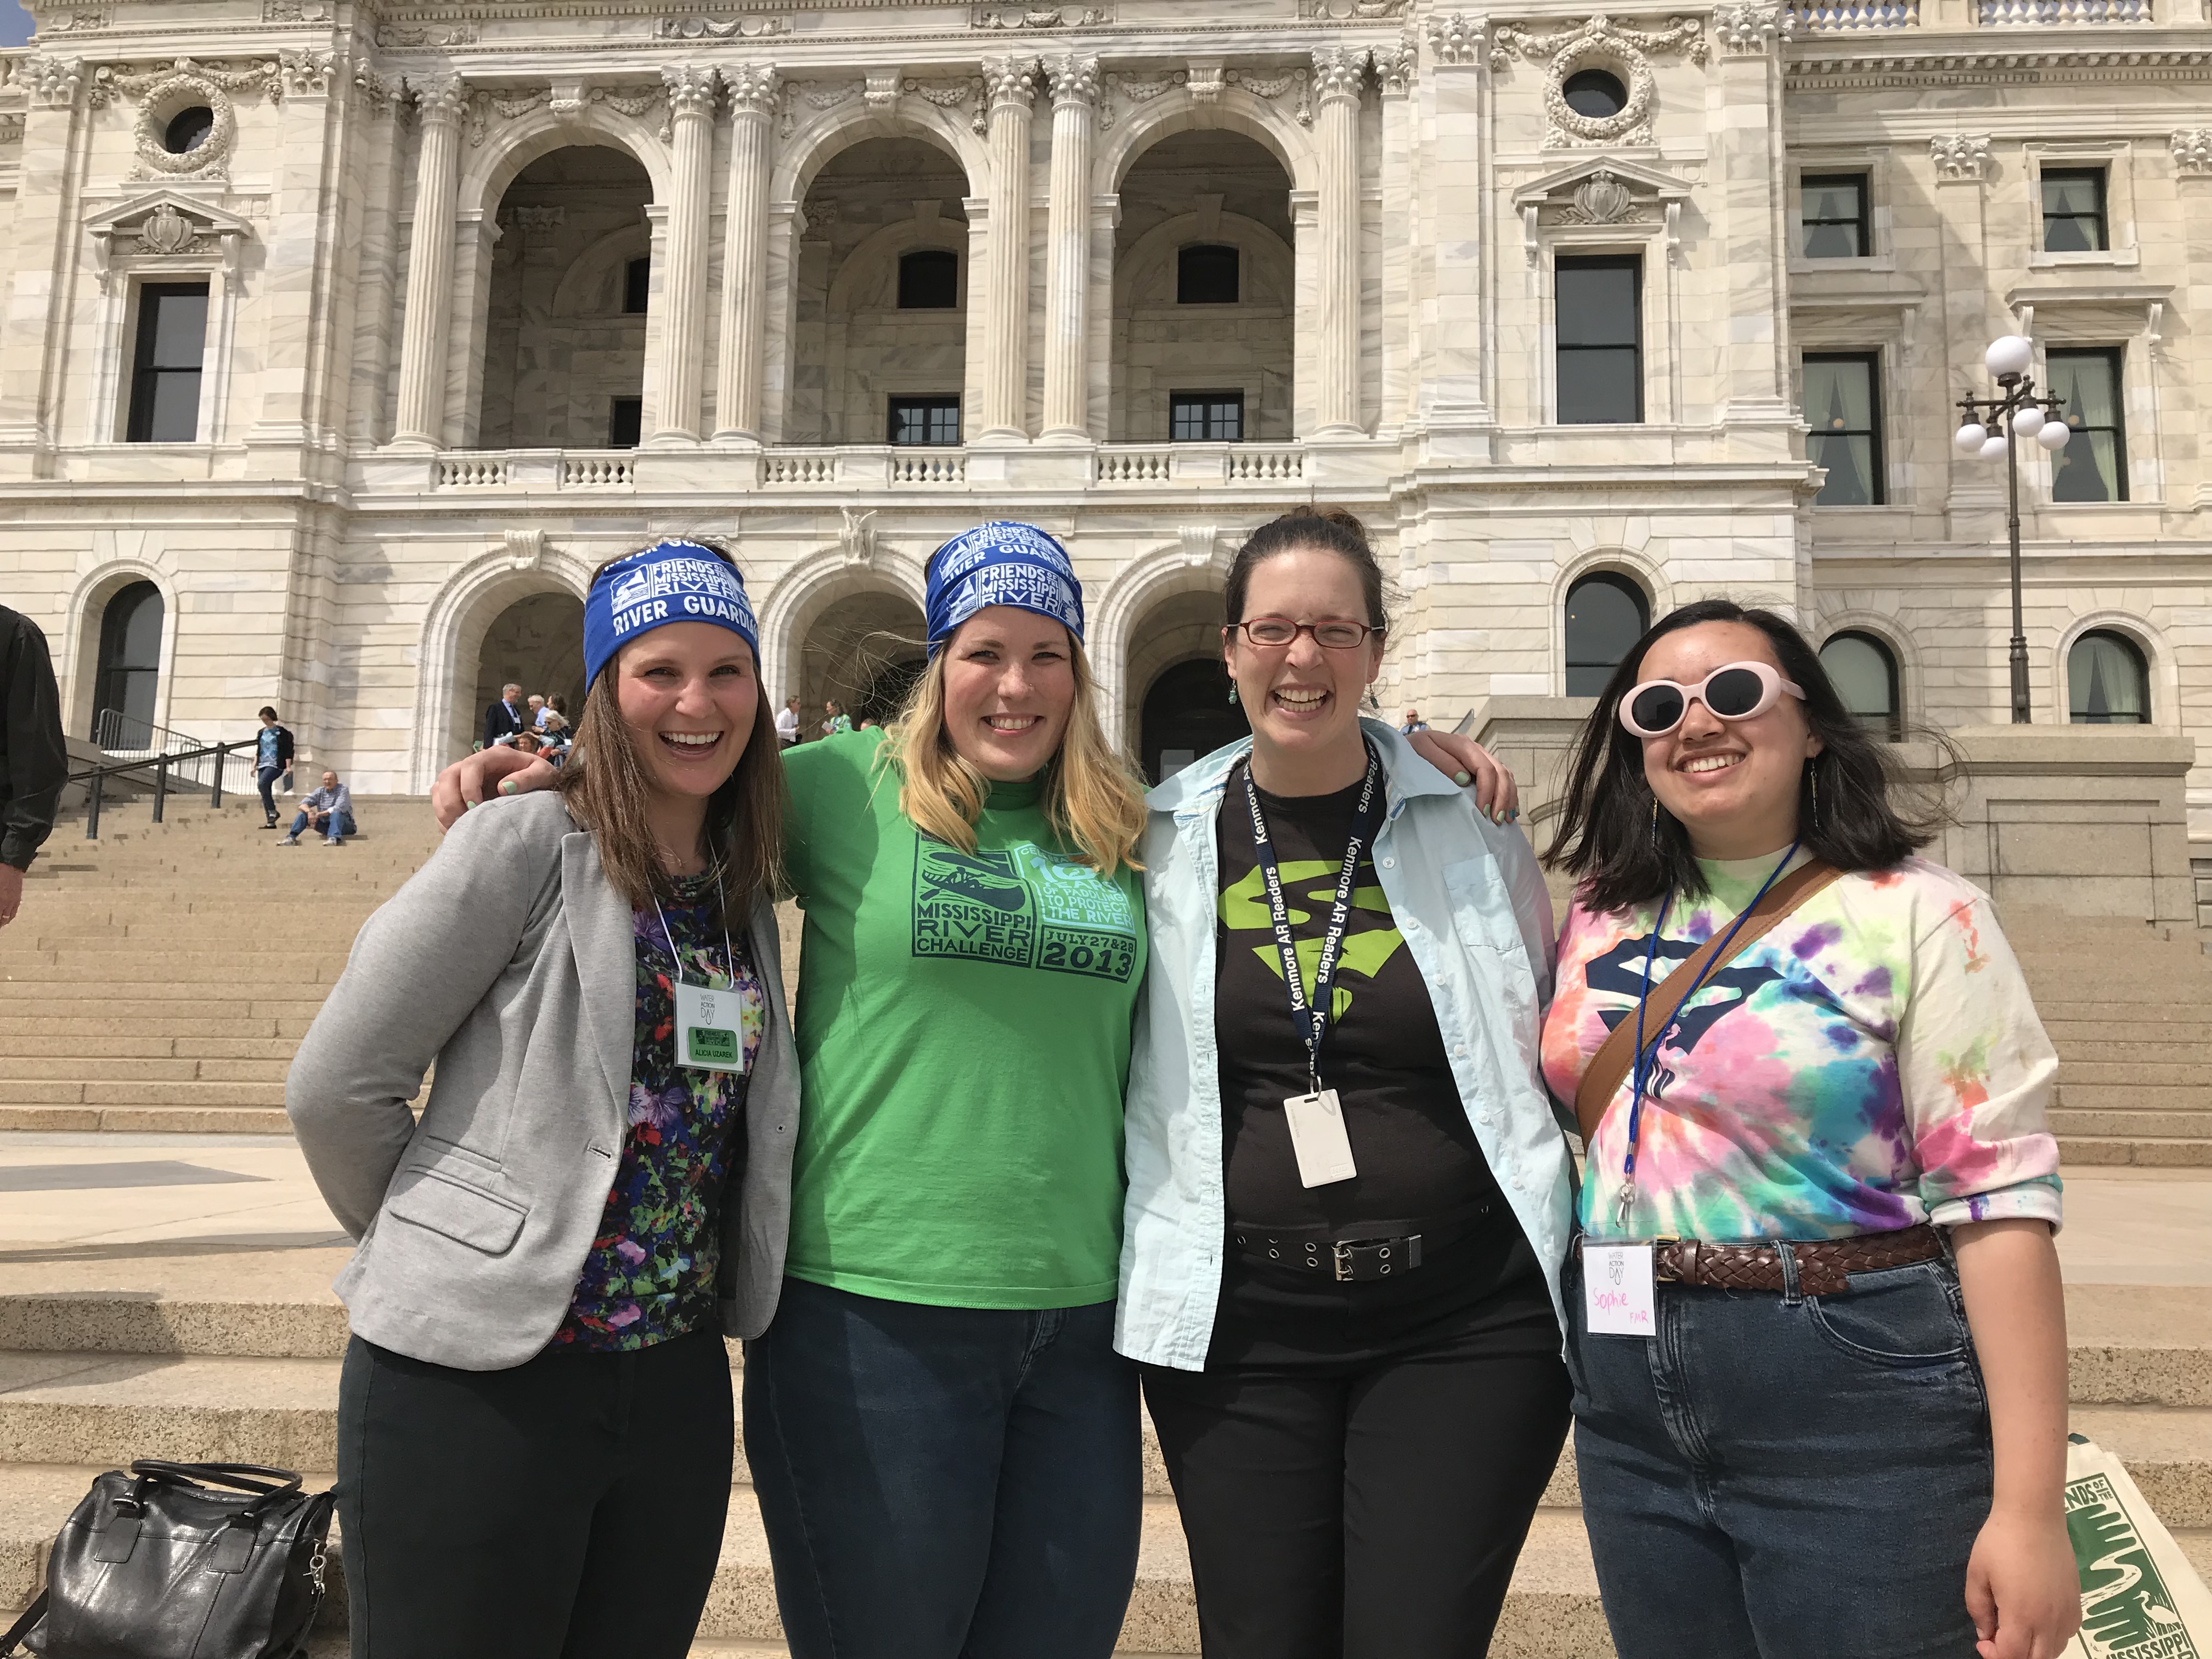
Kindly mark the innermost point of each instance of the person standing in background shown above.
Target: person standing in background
(272, 759)
(504, 718)
(838, 719)
(786, 723)
(33, 757)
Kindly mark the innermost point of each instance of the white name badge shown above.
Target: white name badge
(1617, 1289)
(1317, 1137)
(709, 1029)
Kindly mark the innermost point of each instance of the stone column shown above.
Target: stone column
(422, 416)
(44, 234)
(1011, 84)
(1339, 72)
(1067, 258)
(738, 388)
(683, 279)
(1395, 68)
(1748, 147)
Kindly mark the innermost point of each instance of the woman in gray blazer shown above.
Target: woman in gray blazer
(535, 1420)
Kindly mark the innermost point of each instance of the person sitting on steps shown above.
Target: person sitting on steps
(328, 811)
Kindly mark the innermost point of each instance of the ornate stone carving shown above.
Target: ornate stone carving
(375, 92)
(1600, 199)
(535, 218)
(54, 80)
(1003, 17)
(1339, 72)
(445, 100)
(1748, 29)
(1456, 39)
(1273, 87)
(881, 92)
(1012, 80)
(1351, 11)
(393, 37)
(112, 80)
(1205, 83)
(1395, 66)
(483, 106)
(856, 537)
(2192, 152)
(954, 94)
(1962, 158)
(11, 128)
(295, 11)
(706, 28)
(153, 232)
(1134, 89)
(752, 87)
(76, 22)
(815, 95)
(1074, 79)
(1601, 44)
(162, 102)
(165, 232)
(690, 88)
(308, 74)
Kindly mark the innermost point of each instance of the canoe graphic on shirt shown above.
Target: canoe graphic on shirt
(947, 872)
(1023, 906)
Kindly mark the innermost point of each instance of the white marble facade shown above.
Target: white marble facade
(417, 223)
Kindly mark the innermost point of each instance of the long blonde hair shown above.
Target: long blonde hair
(1092, 799)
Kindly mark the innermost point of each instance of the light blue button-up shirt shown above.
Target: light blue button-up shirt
(1471, 904)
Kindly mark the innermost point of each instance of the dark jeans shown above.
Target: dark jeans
(943, 1483)
(571, 1506)
(336, 826)
(1373, 1507)
(266, 777)
(1783, 1477)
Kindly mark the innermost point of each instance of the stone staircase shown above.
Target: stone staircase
(159, 979)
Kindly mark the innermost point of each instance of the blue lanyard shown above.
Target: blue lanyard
(1646, 1058)
(1314, 1020)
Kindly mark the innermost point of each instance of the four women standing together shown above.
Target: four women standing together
(1308, 986)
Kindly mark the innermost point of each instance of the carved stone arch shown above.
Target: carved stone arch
(886, 245)
(581, 291)
(2158, 666)
(820, 140)
(77, 667)
(1247, 235)
(1197, 563)
(800, 596)
(1647, 574)
(486, 175)
(470, 600)
(1233, 110)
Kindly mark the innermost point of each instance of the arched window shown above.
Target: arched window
(2107, 682)
(929, 280)
(1606, 614)
(1206, 275)
(1863, 671)
(129, 665)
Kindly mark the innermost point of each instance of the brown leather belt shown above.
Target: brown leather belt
(1823, 1266)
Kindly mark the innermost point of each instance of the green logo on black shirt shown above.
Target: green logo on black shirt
(1022, 905)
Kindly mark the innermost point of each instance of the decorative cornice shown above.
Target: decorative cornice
(1340, 72)
(2192, 153)
(1074, 80)
(1035, 17)
(112, 80)
(393, 38)
(706, 28)
(1684, 34)
(690, 90)
(1962, 158)
(1992, 66)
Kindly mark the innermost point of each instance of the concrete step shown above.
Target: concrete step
(2069, 1125)
(89, 1068)
(2087, 1096)
(96, 1040)
(2168, 1454)
(142, 1094)
(2142, 1153)
(2124, 1029)
(30, 1012)
(2195, 1074)
(145, 1119)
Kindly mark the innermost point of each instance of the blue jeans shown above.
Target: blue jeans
(943, 1483)
(265, 778)
(336, 827)
(1776, 1476)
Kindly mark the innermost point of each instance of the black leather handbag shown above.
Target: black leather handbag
(183, 1561)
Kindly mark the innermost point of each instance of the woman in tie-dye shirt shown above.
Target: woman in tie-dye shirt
(1839, 1431)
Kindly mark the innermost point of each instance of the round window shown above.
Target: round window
(188, 130)
(1595, 93)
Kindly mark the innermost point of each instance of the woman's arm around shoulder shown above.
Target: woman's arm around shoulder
(419, 967)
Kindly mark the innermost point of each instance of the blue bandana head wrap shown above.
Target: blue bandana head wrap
(1001, 563)
(668, 582)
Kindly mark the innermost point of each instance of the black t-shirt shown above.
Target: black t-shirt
(1417, 1154)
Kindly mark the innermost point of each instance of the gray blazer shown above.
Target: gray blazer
(509, 959)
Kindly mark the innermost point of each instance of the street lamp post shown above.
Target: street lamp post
(2020, 411)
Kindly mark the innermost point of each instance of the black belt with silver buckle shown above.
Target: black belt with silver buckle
(1381, 1255)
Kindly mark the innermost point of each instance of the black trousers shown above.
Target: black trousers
(1371, 1504)
(571, 1506)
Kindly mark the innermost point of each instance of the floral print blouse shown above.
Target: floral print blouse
(650, 1274)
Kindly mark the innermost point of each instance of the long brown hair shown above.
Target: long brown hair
(606, 787)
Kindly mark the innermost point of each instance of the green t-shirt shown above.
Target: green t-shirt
(963, 1043)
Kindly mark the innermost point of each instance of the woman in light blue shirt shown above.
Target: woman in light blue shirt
(1349, 1198)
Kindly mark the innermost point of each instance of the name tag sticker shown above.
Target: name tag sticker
(1617, 1289)
(1318, 1137)
(709, 1029)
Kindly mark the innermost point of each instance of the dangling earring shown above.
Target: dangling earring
(1812, 777)
(1655, 823)
(1232, 694)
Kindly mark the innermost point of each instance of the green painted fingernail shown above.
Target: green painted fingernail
(507, 786)
(1462, 778)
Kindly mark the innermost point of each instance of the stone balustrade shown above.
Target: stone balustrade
(2044, 13)
(1840, 17)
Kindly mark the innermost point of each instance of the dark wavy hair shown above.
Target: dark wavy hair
(1605, 836)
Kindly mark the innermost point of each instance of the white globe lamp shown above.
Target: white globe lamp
(2027, 423)
(1968, 439)
(2053, 436)
(1994, 448)
(2008, 355)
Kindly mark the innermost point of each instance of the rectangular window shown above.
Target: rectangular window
(165, 377)
(929, 280)
(1842, 407)
(637, 287)
(1835, 217)
(625, 421)
(1205, 275)
(2093, 465)
(2074, 210)
(1204, 417)
(925, 421)
(1599, 305)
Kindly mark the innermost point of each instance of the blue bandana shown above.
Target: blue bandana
(1001, 563)
(668, 582)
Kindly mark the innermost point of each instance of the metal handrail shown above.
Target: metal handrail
(125, 734)
(96, 777)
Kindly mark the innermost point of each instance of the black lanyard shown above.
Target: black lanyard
(1315, 1018)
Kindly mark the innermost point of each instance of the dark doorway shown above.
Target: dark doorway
(1186, 714)
(886, 692)
(130, 666)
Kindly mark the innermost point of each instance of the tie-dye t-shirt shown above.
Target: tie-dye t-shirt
(1873, 1062)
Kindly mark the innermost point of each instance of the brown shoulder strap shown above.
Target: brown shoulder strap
(1609, 1065)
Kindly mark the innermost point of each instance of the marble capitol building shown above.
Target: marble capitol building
(343, 338)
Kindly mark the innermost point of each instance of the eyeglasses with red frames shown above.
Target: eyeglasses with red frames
(1734, 691)
(1279, 633)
